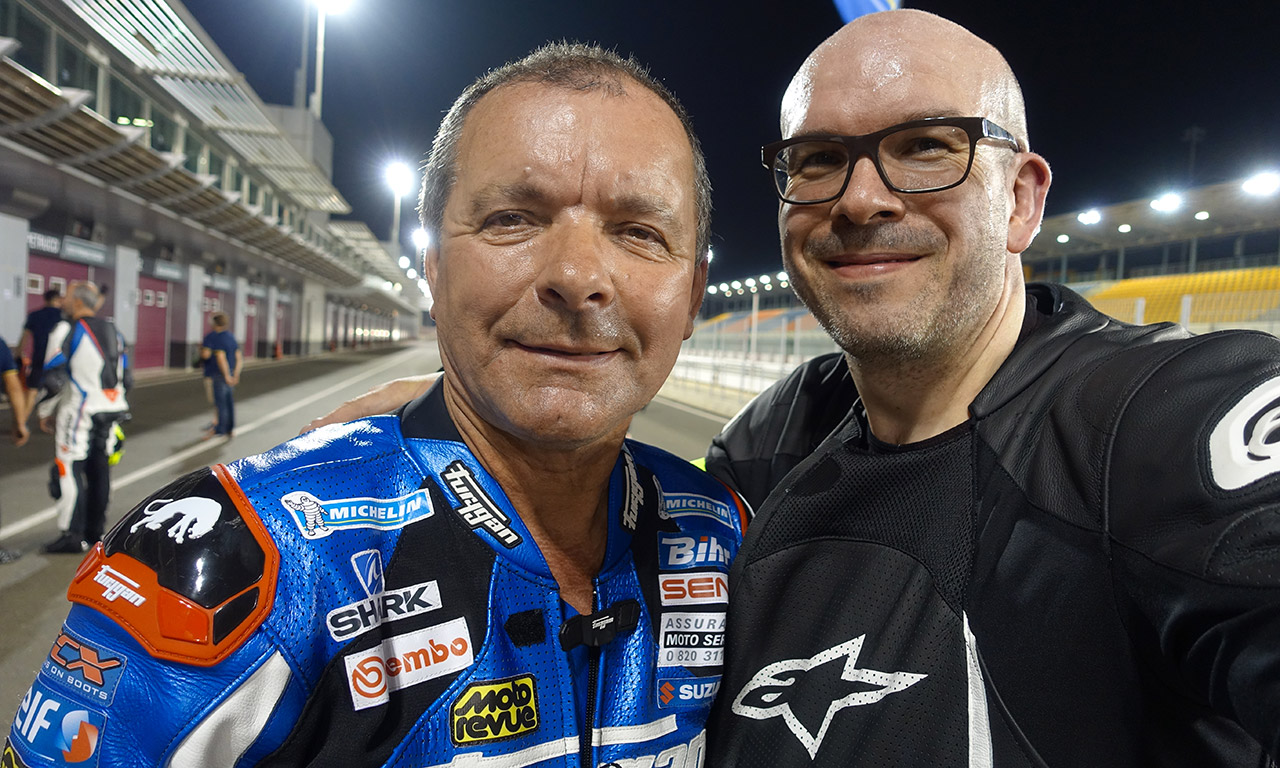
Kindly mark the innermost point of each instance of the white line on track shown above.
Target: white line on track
(47, 514)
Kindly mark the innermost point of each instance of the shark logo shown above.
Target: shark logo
(768, 694)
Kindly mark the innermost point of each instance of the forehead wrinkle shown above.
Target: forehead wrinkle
(519, 193)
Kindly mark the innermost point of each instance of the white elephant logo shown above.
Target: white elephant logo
(195, 517)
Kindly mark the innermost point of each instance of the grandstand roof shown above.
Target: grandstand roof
(1231, 211)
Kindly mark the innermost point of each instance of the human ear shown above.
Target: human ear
(1031, 178)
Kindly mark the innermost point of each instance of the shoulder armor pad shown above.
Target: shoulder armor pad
(190, 572)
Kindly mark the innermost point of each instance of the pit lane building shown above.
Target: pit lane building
(133, 154)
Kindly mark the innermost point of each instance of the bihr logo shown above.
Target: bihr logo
(692, 504)
(690, 552)
(495, 709)
(687, 693)
(84, 668)
(380, 605)
(317, 519)
(406, 660)
(696, 588)
(478, 510)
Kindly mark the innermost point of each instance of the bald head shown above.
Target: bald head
(905, 64)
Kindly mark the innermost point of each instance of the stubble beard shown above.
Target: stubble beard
(874, 327)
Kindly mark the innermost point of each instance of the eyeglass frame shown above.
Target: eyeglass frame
(868, 145)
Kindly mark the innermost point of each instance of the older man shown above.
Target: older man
(1039, 536)
(492, 575)
(86, 376)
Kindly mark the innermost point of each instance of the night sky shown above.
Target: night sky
(1111, 87)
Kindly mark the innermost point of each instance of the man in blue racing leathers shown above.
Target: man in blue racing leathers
(490, 576)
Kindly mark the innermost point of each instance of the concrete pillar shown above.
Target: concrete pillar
(13, 276)
(269, 325)
(312, 319)
(186, 318)
(240, 302)
(1120, 263)
(124, 295)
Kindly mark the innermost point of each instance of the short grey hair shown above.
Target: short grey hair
(571, 66)
(86, 293)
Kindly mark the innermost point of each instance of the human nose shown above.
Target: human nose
(576, 274)
(866, 197)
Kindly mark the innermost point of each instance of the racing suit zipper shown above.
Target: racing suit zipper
(589, 721)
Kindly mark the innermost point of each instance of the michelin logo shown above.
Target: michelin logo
(317, 519)
(692, 504)
(381, 605)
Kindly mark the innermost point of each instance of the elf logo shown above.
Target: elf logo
(676, 693)
(696, 588)
(495, 709)
(381, 605)
(691, 552)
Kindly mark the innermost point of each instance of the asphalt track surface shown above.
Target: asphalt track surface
(164, 441)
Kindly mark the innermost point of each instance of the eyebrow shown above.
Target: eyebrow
(525, 193)
(917, 114)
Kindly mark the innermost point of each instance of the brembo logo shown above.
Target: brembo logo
(406, 660)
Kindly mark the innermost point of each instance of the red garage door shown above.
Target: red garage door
(150, 349)
(45, 272)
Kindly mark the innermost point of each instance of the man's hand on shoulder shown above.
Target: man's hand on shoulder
(385, 397)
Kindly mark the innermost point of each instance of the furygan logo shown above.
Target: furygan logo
(478, 510)
(634, 493)
(117, 585)
(496, 709)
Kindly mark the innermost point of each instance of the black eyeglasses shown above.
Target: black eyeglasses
(927, 155)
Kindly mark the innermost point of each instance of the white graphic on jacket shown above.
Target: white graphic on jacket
(767, 694)
(196, 517)
(312, 512)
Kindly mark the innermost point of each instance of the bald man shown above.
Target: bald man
(1002, 528)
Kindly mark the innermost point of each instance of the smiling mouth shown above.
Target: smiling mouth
(871, 260)
(564, 352)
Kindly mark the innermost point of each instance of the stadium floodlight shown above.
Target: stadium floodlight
(751, 282)
(724, 287)
(1089, 217)
(1124, 229)
(736, 285)
(711, 289)
(399, 178)
(1167, 203)
(1262, 184)
(420, 239)
(764, 279)
(1202, 215)
(404, 262)
(412, 273)
(1064, 238)
(711, 254)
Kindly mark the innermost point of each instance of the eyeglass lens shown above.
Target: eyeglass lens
(912, 159)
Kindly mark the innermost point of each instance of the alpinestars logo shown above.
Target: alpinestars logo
(1245, 445)
(769, 692)
(478, 510)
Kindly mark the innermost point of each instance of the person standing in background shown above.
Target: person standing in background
(86, 377)
(222, 363)
(18, 402)
(36, 330)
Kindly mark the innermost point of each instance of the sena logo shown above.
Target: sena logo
(675, 693)
(688, 552)
(697, 588)
(497, 709)
(81, 666)
(406, 660)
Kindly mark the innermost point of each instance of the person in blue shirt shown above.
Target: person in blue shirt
(222, 363)
(36, 331)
